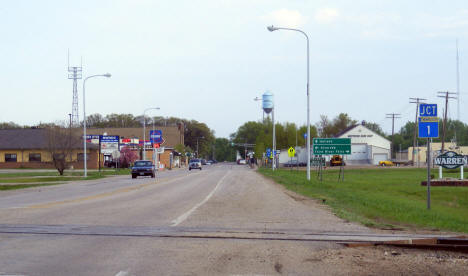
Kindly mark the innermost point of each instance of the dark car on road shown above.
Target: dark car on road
(143, 168)
(195, 164)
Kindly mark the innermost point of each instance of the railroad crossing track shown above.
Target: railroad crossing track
(346, 238)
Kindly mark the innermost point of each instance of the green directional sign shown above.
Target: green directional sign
(331, 141)
(332, 149)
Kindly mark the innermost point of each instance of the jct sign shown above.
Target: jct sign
(451, 160)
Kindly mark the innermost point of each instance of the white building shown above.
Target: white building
(367, 147)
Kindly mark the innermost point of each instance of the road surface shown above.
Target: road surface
(223, 220)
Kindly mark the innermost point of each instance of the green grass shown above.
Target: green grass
(24, 186)
(41, 178)
(384, 198)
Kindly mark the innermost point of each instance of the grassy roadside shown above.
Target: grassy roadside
(384, 198)
(19, 180)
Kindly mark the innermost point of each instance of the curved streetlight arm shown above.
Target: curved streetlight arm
(271, 29)
(107, 75)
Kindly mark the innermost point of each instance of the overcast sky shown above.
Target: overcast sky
(208, 60)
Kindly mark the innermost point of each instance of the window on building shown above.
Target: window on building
(34, 157)
(59, 156)
(81, 157)
(10, 157)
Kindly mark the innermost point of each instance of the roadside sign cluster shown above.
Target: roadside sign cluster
(331, 146)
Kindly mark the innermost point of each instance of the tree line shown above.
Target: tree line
(257, 132)
(289, 134)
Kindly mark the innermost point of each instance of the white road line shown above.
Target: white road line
(122, 273)
(183, 217)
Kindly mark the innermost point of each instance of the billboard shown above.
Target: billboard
(93, 139)
(109, 144)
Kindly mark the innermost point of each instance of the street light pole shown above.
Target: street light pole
(144, 130)
(107, 75)
(271, 29)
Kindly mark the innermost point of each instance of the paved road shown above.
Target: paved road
(225, 219)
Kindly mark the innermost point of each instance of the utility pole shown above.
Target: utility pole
(458, 86)
(393, 116)
(417, 101)
(447, 96)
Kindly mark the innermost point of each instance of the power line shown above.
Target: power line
(417, 101)
(392, 116)
(447, 96)
(458, 85)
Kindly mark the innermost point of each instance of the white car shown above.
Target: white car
(195, 164)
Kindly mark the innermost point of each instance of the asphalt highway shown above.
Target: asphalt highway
(225, 219)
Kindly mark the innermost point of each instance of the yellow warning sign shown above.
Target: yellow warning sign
(291, 152)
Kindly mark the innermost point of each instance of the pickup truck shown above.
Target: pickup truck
(143, 168)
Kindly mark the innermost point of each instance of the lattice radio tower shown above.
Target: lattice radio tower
(74, 73)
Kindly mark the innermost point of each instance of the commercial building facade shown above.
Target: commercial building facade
(367, 146)
(420, 155)
(30, 148)
(132, 138)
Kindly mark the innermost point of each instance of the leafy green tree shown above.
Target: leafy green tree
(199, 131)
(224, 151)
(9, 125)
(377, 129)
(327, 128)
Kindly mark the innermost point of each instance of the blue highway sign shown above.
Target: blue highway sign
(428, 110)
(156, 136)
(428, 127)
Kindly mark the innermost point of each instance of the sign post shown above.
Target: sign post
(291, 153)
(428, 127)
(332, 146)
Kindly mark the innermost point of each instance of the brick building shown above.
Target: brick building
(30, 148)
(172, 135)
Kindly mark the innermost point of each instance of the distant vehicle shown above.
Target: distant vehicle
(241, 162)
(195, 164)
(143, 168)
(386, 163)
(203, 161)
(211, 162)
(336, 160)
(291, 163)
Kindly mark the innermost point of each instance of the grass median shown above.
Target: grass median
(383, 198)
(22, 180)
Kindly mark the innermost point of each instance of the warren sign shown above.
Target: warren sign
(451, 160)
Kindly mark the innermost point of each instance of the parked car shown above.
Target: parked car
(386, 163)
(203, 161)
(143, 168)
(291, 163)
(195, 164)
